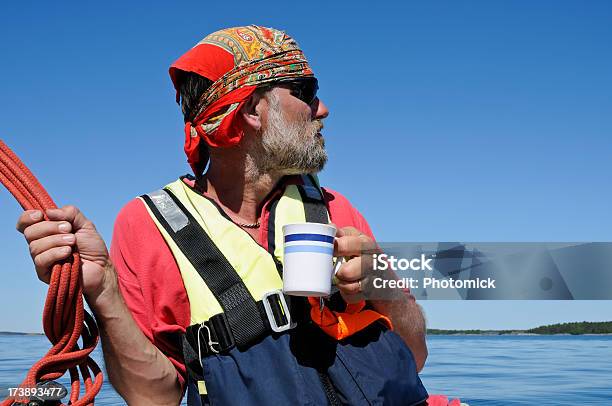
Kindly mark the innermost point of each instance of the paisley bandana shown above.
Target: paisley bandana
(237, 60)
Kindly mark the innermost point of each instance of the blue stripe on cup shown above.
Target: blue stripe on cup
(309, 248)
(309, 237)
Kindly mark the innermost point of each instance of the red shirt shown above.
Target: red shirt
(150, 280)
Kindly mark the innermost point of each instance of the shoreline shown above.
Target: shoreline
(583, 328)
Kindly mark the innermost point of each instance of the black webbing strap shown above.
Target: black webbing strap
(214, 335)
(314, 205)
(272, 234)
(329, 389)
(240, 309)
(315, 211)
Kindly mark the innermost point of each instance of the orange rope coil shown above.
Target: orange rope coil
(64, 318)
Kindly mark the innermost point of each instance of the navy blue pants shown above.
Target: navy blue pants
(373, 366)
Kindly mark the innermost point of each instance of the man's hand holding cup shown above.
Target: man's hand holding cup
(351, 244)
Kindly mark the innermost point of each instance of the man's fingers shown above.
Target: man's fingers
(351, 291)
(347, 245)
(45, 260)
(350, 271)
(41, 245)
(349, 288)
(344, 231)
(28, 218)
(45, 229)
(70, 214)
(352, 245)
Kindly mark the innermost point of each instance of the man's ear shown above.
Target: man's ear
(250, 111)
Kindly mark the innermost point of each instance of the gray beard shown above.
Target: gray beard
(290, 148)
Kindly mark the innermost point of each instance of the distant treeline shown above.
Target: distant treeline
(435, 331)
(584, 327)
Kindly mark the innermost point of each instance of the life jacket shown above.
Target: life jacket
(248, 344)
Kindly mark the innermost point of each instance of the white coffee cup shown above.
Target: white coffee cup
(308, 259)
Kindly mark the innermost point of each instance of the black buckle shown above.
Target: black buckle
(216, 335)
(277, 311)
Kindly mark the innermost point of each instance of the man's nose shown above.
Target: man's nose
(319, 110)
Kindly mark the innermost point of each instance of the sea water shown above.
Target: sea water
(521, 370)
(481, 370)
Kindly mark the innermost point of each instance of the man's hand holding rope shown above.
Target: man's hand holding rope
(52, 241)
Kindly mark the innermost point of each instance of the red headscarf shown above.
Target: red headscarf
(237, 60)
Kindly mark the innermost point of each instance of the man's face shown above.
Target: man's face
(290, 134)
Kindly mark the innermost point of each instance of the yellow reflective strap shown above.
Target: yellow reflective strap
(289, 209)
(251, 261)
(202, 388)
(282, 310)
(207, 305)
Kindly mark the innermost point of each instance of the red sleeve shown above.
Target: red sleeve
(150, 281)
(343, 214)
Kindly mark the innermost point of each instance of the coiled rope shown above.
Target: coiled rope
(64, 318)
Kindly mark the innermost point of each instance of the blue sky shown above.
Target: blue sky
(461, 121)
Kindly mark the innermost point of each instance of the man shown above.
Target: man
(189, 296)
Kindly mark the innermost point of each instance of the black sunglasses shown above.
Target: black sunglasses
(304, 89)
